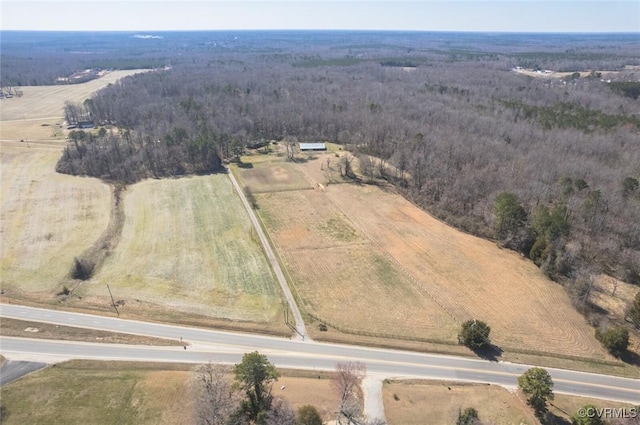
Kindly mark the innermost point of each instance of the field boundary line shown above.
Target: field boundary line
(300, 327)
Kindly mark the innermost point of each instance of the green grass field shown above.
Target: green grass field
(74, 394)
(187, 244)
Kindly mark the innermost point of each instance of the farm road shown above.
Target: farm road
(300, 328)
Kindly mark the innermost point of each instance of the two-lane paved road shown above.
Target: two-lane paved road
(228, 347)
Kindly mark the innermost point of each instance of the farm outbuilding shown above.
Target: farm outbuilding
(313, 147)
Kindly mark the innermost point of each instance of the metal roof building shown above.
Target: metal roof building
(313, 147)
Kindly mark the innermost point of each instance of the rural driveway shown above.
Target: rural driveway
(300, 328)
(228, 347)
(12, 370)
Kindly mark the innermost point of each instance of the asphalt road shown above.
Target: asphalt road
(228, 347)
(12, 370)
(300, 328)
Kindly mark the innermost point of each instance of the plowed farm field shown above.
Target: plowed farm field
(368, 260)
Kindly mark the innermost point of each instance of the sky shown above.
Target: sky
(414, 15)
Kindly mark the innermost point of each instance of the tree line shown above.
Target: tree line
(460, 136)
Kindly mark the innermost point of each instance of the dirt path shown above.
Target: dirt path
(373, 404)
(300, 327)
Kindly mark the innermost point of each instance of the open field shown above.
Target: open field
(100, 393)
(434, 402)
(40, 102)
(332, 265)
(47, 218)
(565, 406)
(188, 245)
(437, 402)
(561, 74)
(267, 176)
(32, 130)
(97, 394)
(421, 277)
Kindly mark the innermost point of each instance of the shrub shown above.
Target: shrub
(82, 269)
(615, 340)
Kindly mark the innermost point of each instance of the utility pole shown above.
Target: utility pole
(113, 303)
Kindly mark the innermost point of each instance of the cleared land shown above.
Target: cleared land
(436, 402)
(268, 176)
(47, 218)
(428, 402)
(188, 245)
(39, 102)
(130, 393)
(366, 260)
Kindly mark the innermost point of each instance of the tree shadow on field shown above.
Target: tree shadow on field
(491, 353)
(549, 418)
(630, 357)
(245, 165)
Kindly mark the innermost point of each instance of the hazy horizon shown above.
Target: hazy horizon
(488, 16)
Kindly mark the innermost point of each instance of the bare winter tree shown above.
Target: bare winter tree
(290, 146)
(281, 414)
(214, 396)
(347, 384)
(367, 166)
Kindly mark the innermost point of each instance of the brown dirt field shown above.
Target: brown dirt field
(471, 277)
(332, 264)
(47, 218)
(438, 274)
(40, 102)
(18, 328)
(273, 177)
(428, 402)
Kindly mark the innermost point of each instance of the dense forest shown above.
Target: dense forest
(549, 166)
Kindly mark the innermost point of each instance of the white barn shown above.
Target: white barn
(313, 147)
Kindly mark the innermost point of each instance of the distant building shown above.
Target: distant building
(313, 147)
(86, 124)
